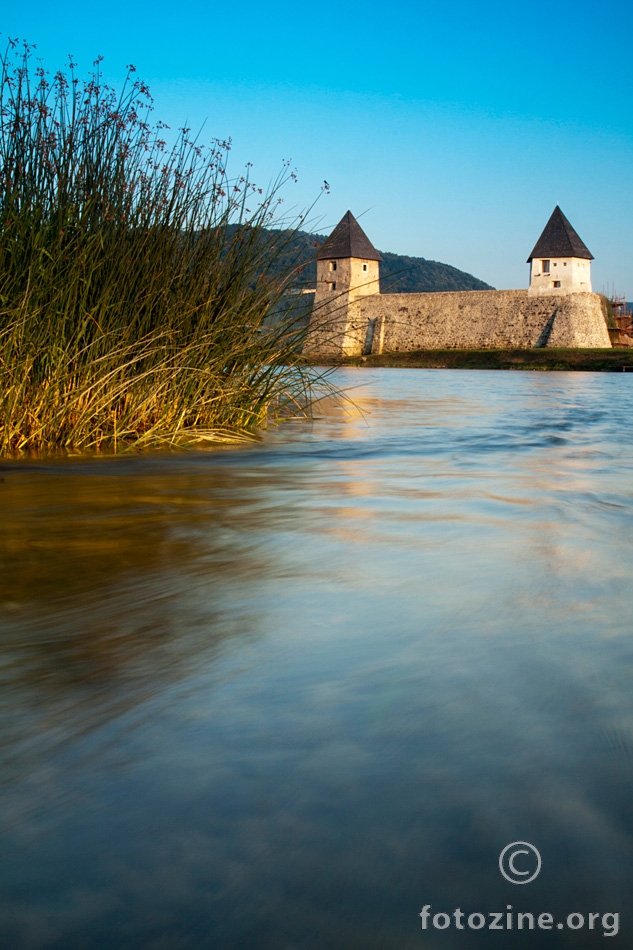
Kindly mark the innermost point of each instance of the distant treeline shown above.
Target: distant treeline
(399, 274)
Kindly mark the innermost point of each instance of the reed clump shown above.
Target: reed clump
(136, 277)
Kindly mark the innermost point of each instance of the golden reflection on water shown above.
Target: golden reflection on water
(102, 573)
(293, 689)
(113, 587)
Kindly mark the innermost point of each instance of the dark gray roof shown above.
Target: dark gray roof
(348, 240)
(559, 240)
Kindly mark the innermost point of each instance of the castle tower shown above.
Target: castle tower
(348, 263)
(347, 270)
(560, 261)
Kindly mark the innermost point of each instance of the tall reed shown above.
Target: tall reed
(136, 278)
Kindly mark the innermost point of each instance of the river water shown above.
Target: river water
(283, 696)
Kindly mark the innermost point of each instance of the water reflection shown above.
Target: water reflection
(113, 587)
(283, 696)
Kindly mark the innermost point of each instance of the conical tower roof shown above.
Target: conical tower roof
(348, 240)
(559, 240)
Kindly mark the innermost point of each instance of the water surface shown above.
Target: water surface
(283, 696)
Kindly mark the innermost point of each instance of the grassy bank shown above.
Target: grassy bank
(136, 277)
(604, 361)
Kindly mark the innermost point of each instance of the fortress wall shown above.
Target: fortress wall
(478, 319)
(328, 324)
(580, 318)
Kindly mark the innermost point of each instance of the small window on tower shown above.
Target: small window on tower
(332, 265)
(545, 267)
(332, 285)
(556, 283)
(364, 266)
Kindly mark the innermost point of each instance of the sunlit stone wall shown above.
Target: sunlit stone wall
(340, 283)
(479, 319)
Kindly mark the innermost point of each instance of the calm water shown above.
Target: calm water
(284, 696)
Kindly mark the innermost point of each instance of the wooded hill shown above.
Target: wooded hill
(398, 273)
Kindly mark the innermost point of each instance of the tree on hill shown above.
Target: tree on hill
(399, 273)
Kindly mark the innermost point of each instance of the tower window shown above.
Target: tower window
(545, 267)
(332, 265)
(364, 266)
(332, 285)
(556, 283)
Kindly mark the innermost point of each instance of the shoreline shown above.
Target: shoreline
(584, 360)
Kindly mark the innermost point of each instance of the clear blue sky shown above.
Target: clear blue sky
(456, 127)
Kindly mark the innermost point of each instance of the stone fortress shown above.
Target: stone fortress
(351, 317)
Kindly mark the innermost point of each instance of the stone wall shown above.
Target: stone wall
(338, 288)
(478, 319)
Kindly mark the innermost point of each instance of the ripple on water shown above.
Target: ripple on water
(283, 695)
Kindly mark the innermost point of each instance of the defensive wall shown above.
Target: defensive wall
(478, 319)
(350, 316)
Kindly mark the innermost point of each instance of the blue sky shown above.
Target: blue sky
(454, 129)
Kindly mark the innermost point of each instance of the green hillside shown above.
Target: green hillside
(399, 274)
(409, 275)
